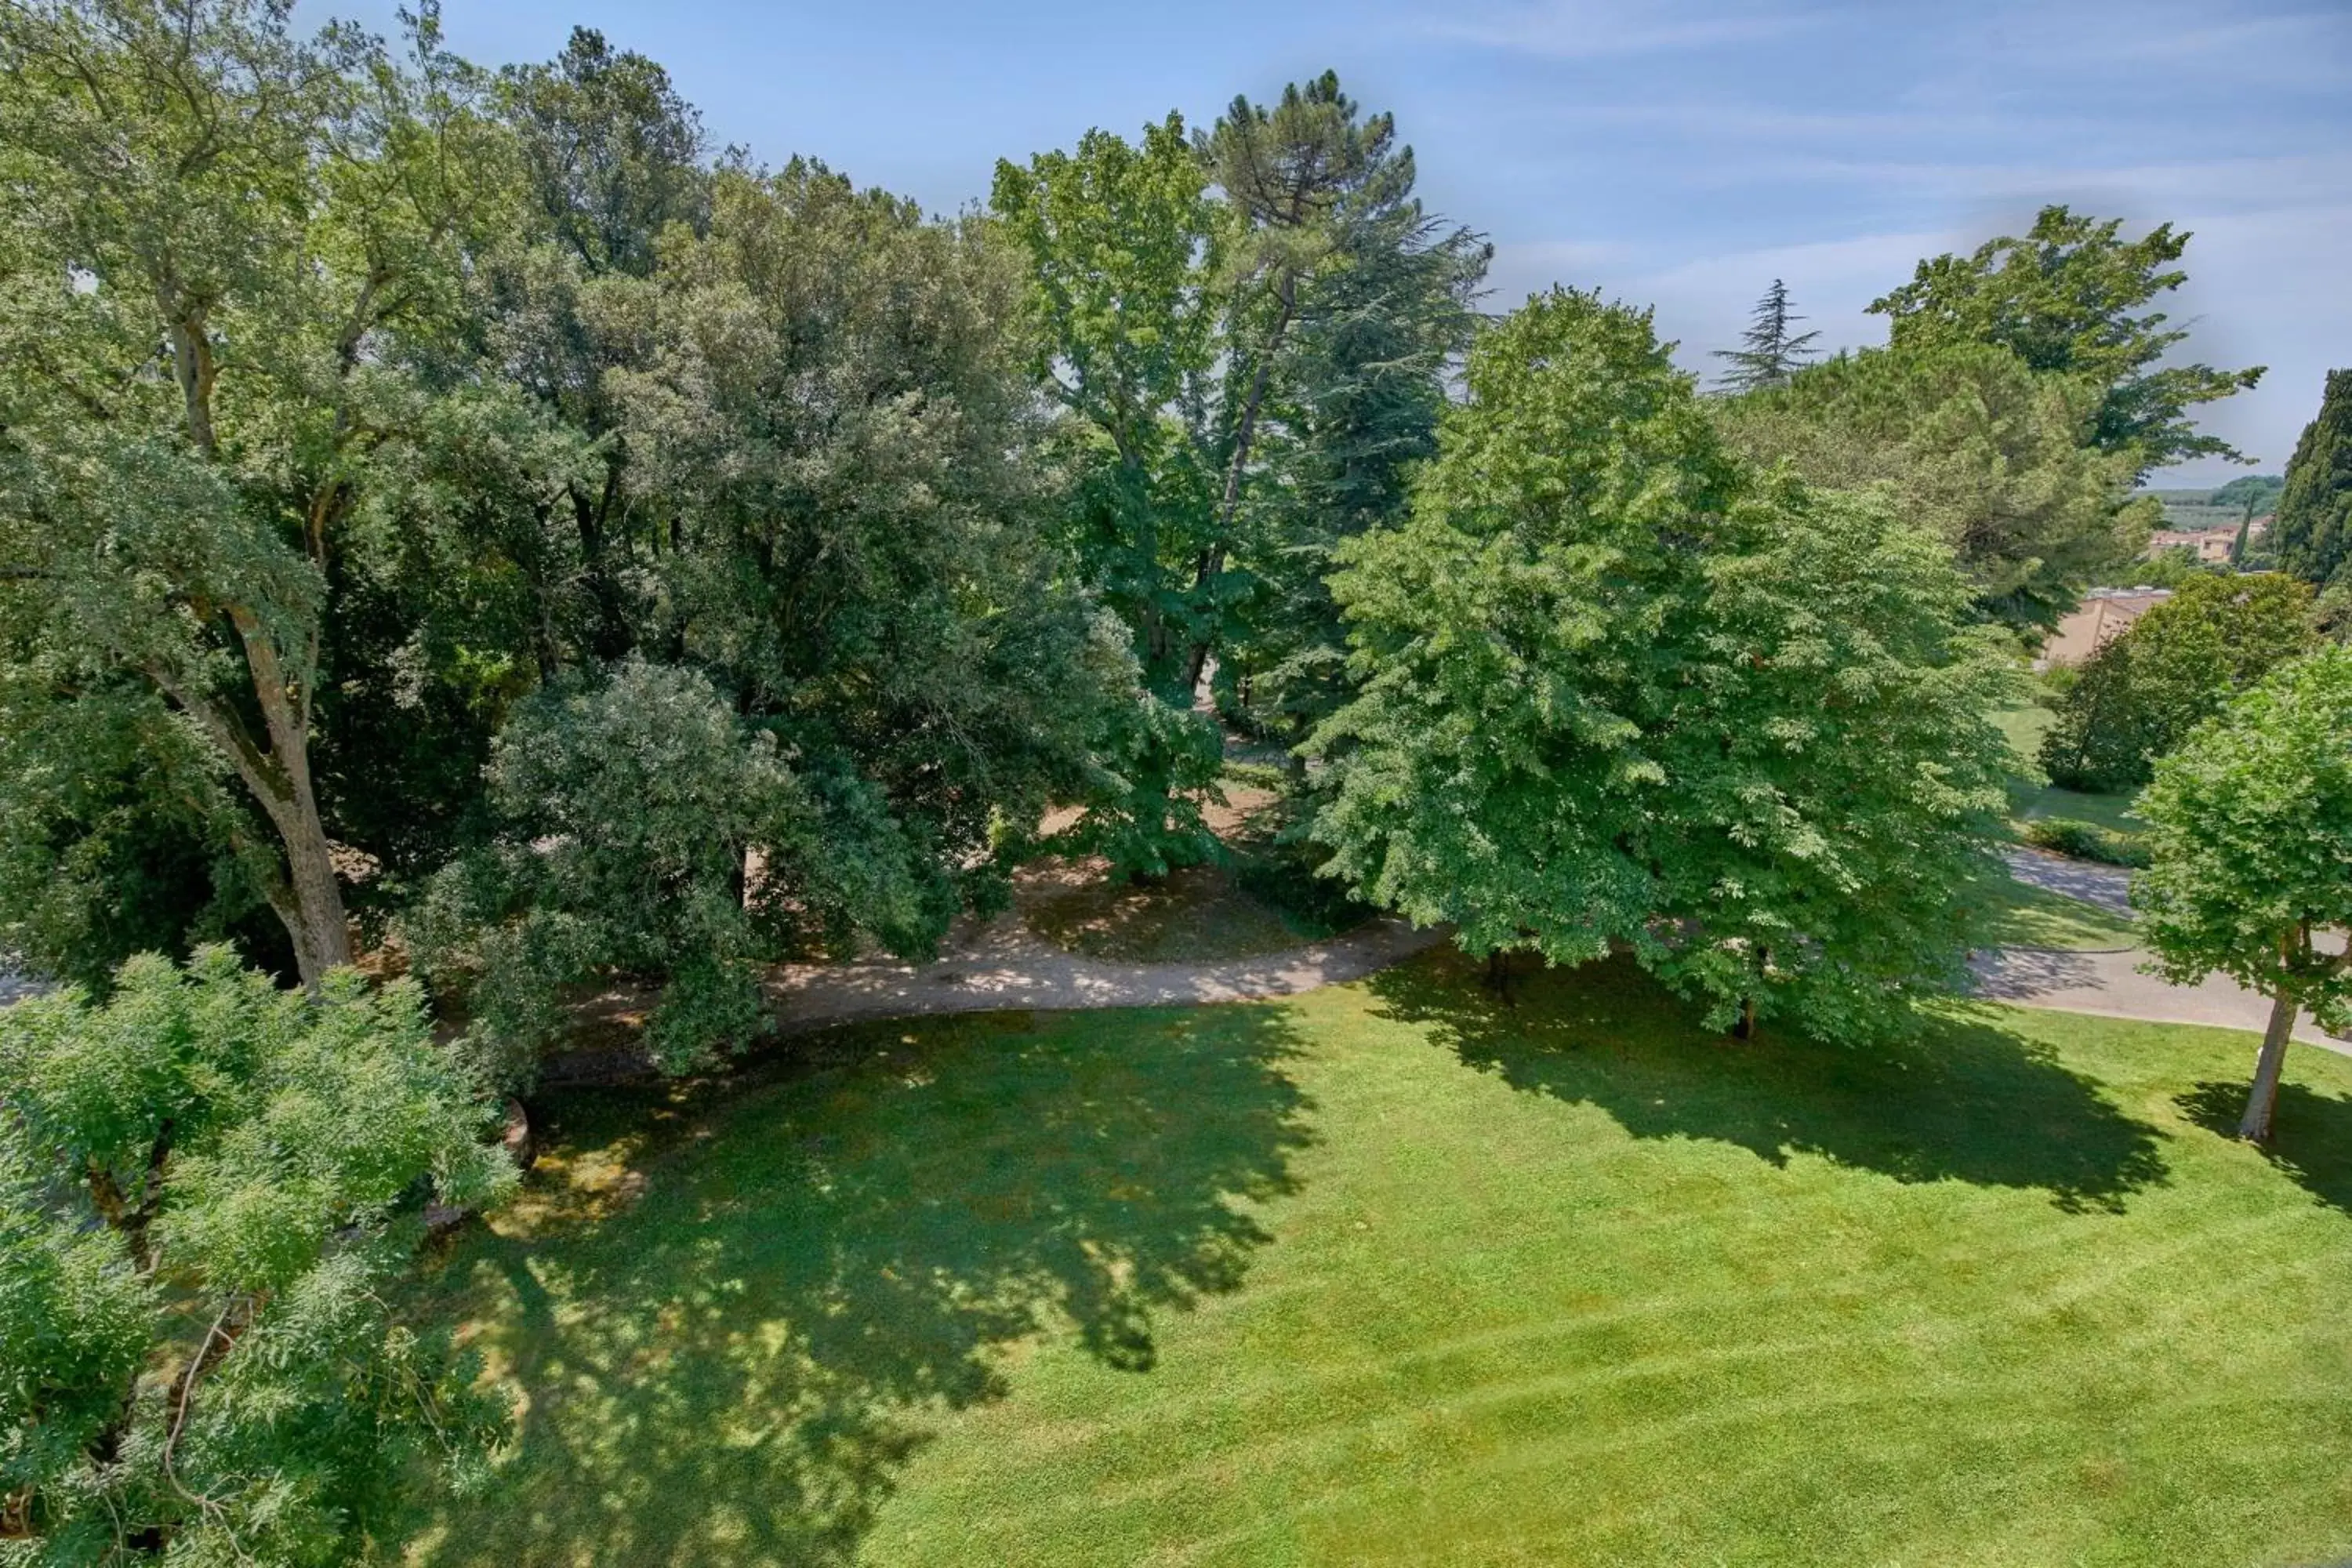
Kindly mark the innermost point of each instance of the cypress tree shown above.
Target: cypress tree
(2313, 531)
(1769, 355)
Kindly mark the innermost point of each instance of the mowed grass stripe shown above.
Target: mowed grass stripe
(1392, 1273)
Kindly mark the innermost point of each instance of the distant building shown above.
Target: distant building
(2105, 614)
(2211, 545)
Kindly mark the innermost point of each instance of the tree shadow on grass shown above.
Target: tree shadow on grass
(2311, 1133)
(736, 1312)
(1967, 1100)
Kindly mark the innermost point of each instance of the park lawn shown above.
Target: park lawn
(2034, 797)
(2018, 914)
(1394, 1273)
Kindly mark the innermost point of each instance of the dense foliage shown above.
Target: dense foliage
(1620, 688)
(2067, 295)
(284, 220)
(1967, 440)
(450, 498)
(1248, 335)
(2084, 841)
(2141, 693)
(2251, 855)
(2312, 532)
(204, 1187)
(460, 512)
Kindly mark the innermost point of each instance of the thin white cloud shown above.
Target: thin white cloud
(2252, 183)
(1590, 29)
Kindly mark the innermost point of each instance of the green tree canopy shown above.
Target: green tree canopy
(2067, 295)
(2140, 695)
(2253, 494)
(2250, 837)
(2312, 531)
(1971, 443)
(1617, 688)
(228, 261)
(205, 1188)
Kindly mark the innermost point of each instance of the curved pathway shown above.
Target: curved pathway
(1003, 965)
(2110, 983)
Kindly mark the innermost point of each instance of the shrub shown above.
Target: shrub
(206, 1149)
(2085, 841)
(2140, 696)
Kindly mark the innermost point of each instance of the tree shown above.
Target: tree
(613, 156)
(1970, 444)
(648, 831)
(1617, 688)
(2066, 297)
(219, 239)
(2250, 836)
(1123, 250)
(2140, 695)
(2312, 531)
(1288, 174)
(1769, 354)
(863, 665)
(1168, 282)
(1382, 326)
(2251, 494)
(206, 1187)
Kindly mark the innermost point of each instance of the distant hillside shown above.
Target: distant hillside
(2194, 510)
(2190, 510)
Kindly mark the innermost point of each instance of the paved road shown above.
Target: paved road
(2110, 983)
(2109, 887)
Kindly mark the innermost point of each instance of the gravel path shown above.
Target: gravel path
(14, 983)
(1003, 965)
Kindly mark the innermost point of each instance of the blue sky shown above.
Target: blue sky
(1675, 154)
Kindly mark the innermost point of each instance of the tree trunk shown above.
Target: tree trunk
(321, 930)
(1745, 1028)
(2255, 1126)
(311, 901)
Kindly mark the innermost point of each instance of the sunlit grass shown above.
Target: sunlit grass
(2033, 796)
(1395, 1273)
(2019, 915)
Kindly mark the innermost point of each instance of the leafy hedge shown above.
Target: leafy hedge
(2085, 841)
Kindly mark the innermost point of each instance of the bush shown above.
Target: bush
(1257, 775)
(205, 1147)
(2140, 696)
(633, 814)
(2085, 841)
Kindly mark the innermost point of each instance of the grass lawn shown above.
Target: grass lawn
(2025, 725)
(1393, 1273)
(2019, 915)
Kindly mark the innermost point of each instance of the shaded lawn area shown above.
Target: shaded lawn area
(1198, 914)
(2018, 914)
(1393, 1273)
(2031, 796)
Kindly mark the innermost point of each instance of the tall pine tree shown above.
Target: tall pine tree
(2313, 531)
(1769, 355)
